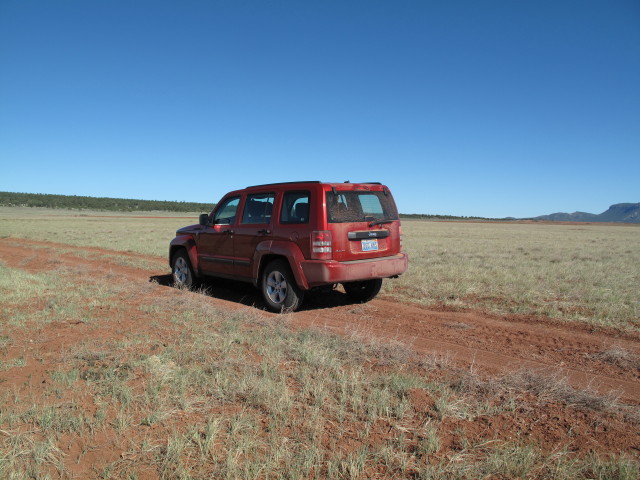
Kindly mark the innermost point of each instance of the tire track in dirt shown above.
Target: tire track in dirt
(489, 343)
(573, 363)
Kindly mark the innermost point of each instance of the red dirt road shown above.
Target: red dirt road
(492, 343)
(489, 343)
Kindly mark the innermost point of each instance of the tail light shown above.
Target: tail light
(321, 245)
(400, 231)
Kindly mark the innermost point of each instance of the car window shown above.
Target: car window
(359, 206)
(258, 208)
(226, 213)
(371, 205)
(295, 208)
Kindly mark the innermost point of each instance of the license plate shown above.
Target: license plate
(369, 245)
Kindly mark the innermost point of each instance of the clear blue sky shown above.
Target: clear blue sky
(492, 108)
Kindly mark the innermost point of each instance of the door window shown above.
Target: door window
(226, 213)
(258, 208)
(295, 208)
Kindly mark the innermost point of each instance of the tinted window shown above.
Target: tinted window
(371, 205)
(257, 208)
(226, 213)
(360, 206)
(295, 208)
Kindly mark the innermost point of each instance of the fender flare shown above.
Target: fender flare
(188, 243)
(280, 248)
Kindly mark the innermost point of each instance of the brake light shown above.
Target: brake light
(400, 231)
(321, 245)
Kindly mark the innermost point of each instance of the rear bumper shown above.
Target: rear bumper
(323, 272)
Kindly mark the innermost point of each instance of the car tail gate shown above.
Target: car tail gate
(364, 222)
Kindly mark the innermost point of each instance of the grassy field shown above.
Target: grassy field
(123, 232)
(235, 395)
(586, 273)
(109, 379)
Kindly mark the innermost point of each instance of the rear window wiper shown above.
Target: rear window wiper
(380, 222)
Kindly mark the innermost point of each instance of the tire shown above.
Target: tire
(363, 291)
(279, 288)
(183, 276)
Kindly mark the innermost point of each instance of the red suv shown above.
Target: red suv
(289, 238)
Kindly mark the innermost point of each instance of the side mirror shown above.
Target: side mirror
(204, 219)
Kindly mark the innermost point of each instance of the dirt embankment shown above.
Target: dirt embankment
(603, 359)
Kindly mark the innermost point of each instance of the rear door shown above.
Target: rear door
(296, 214)
(364, 223)
(254, 226)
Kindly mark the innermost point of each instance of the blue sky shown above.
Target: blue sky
(493, 108)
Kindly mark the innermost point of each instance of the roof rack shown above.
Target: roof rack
(307, 181)
(284, 183)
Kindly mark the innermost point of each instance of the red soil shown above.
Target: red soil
(488, 343)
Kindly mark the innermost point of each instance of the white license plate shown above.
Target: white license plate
(369, 245)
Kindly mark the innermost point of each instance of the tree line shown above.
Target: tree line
(75, 202)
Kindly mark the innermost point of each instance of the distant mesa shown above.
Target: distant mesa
(620, 212)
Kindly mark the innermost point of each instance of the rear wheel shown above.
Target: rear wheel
(181, 270)
(363, 291)
(279, 288)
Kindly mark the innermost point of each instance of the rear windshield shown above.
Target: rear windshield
(360, 206)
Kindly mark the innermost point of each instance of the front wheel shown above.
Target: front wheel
(181, 270)
(279, 288)
(363, 291)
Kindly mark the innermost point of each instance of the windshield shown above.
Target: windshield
(360, 206)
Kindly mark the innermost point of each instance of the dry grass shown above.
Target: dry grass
(586, 273)
(555, 388)
(167, 385)
(113, 231)
(619, 357)
(164, 384)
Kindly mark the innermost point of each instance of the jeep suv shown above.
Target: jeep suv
(289, 238)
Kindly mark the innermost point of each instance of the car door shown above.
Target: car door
(215, 242)
(254, 226)
(294, 220)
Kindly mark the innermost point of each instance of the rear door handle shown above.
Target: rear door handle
(228, 232)
(264, 231)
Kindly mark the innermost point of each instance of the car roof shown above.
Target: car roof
(313, 181)
(304, 184)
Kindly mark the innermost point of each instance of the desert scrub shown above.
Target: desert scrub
(576, 272)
